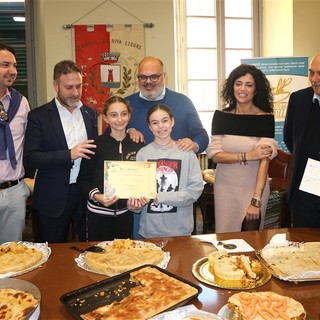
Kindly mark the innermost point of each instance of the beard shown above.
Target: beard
(153, 93)
(71, 102)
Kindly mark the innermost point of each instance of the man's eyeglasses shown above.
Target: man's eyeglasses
(3, 113)
(153, 78)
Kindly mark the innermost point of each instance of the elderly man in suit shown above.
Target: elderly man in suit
(58, 135)
(302, 137)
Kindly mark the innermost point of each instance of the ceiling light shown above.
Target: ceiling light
(19, 19)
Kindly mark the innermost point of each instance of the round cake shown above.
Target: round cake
(15, 256)
(16, 304)
(122, 255)
(265, 305)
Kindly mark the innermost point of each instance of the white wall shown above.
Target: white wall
(277, 26)
(56, 43)
(290, 27)
(306, 38)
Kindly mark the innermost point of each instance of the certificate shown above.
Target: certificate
(311, 178)
(130, 179)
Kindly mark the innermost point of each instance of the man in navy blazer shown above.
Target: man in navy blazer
(58, 135)
(302, 137)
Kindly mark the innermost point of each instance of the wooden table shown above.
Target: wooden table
(60, 274)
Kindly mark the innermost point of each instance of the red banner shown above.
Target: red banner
(90, 44)
(109, 56)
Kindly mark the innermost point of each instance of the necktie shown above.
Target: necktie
(3, 113)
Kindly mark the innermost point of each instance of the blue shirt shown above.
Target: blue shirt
(187, 121)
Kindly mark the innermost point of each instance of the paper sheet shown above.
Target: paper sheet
(311, 178)
(242, 245)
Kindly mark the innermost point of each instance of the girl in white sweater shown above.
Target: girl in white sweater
(179, 180)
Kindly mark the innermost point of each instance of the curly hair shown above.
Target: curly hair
(263, 99)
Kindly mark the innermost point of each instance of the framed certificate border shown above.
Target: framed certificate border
(130, 179)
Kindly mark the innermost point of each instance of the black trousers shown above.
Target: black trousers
(305, 209)
(105, 227)
(55, 229)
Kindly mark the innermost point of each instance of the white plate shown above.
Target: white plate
(163, 264)
(225, 313)
(46, 251)
(182, 314)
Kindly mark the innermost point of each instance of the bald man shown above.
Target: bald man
(188, 131)
(302, 137)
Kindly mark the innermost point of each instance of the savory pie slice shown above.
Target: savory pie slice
(16, 257)
(155, 292)
(294, 259)
(265, 305)
(233, 267)
(122, 255)
(16, 304)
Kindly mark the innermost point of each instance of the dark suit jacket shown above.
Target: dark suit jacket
(299, 106)
(46, 150)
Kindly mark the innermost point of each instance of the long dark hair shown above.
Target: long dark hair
(263, 98)
(114, 99)
(156, 107)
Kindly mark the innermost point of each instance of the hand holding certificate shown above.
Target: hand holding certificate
(127, 179)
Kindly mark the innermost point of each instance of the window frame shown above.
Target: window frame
(181, 60)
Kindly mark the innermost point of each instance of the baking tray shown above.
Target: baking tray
(116, 288)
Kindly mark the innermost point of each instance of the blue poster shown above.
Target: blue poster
(286, 75)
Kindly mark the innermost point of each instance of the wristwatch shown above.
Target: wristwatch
(256, 202)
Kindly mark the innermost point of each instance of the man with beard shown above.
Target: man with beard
(58, 135)
(14, 110)
(188, 131)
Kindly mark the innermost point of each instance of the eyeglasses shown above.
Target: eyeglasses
(3, 113)
(153, 78)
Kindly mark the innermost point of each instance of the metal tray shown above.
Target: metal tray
(106, 291)
(281, 276)
(202, 270)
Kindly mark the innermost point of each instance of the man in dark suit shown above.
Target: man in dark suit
(302, 137)
(58, 135)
